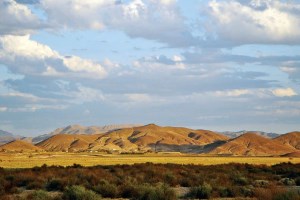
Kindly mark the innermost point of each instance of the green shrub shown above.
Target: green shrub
(39, 195)
(106, 189)
(200, 192)
(288, 181)
(79, 193)
(160, 192)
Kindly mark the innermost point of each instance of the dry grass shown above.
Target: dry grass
(28, 160)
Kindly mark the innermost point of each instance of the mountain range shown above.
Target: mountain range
(154, 138)
(6, 137)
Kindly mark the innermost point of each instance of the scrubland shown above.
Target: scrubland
(152, 182)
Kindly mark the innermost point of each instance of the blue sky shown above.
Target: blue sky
(220, 65)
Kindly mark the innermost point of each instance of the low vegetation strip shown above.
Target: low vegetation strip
(28, 160)
(152, 182)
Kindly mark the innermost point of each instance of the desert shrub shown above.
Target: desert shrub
(127, 190)
(273, 192)
(170, 179)
(290, 195)
(200, 192)
(79, 193)
(288, 181)
(34, 185)
(185, 182)
(297, 181)
(161, 192)
(38, 195)
(106, 189)
(240, 180)
(55, 185)
(225, 192)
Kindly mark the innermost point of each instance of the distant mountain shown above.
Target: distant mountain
(19, 146)
(290, 139)
(78, 129)
(239, 133)
(6, 137)
(142, 138)
(251, 144)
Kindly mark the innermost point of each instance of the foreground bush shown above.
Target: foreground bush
(39, 195)
(79, 193)
(200, 192)
(160, 192)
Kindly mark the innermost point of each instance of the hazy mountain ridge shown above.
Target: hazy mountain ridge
(239, 133)
(6, 137)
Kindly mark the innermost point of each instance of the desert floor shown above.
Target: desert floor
(28, 160)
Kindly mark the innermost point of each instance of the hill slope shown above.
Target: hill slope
(78, 129)
(251, 144)
(290, 139)
(67, 142)
(136, 139)
(18, 146)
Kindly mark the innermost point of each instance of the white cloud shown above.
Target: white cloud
(25, 56)
(233, 93)
(76, 14)
(284, 92)
(16, 18)
(136, 97)
(22, 46)
(158, 20)
(78, 64)
(257, 22)
(3, 109)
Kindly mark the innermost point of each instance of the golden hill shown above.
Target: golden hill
(251, 144)
(19, 146)
(290, 139)
(78, 129)
(136, 139)
(67, 142)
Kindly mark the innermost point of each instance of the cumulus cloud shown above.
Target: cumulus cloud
(27, 57)
(284, 92)
(256, 22)
(158, 20)
(17, 19)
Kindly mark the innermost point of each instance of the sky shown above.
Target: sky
(225, 65)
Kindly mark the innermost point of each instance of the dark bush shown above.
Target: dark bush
(55, 185)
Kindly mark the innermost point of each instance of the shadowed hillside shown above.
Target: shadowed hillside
(251, 144)
(18, 146)
(290, 139)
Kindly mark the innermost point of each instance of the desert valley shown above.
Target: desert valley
(149, 100)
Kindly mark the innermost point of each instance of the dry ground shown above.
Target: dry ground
(28, 160)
